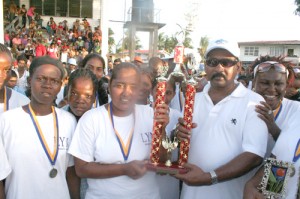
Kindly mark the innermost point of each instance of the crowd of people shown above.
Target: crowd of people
(69, 130)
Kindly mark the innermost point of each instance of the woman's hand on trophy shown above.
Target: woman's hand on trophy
(195, 176)
(135, 169)
(181, 132)
(161, 114)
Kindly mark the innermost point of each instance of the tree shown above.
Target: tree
(297, 11)
(187, 40)
(161, 41)
(204, 41)
(125, 43)
(111, 40)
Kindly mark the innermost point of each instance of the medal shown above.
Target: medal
(53, 173)
(52, 156)
(125, 149)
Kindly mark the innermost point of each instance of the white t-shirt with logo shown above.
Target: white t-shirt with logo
(29, 162)
(95, 141)
(223, 132)
(284, 150)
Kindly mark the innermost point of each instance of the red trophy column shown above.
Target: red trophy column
(157, 127)
(188, 118)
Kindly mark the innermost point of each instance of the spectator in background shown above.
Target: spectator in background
(12, 10)
(23, 13)
(293, 91)
(30, 13)
(52, 51)
(72, 65)
(40, 49)
(22, 73)
(138, 61)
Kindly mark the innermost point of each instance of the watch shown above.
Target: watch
(214, 177)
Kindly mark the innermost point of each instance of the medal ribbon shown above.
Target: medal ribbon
(125, 149)
(277, 111)
(297, 152)
(51, 156)
(6, 103)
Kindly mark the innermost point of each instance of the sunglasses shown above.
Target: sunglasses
(265, 66)
(213, 62)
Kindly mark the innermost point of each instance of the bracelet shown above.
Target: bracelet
(214, 177)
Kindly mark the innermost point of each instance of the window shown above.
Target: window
(276, 51)
(290, 53)
(64, 8)
(251, 51)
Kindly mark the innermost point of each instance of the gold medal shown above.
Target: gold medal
(53, 173)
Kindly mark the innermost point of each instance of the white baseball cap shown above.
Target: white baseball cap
(231, 47)
(72, 61)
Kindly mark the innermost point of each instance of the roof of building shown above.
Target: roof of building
(284, 42)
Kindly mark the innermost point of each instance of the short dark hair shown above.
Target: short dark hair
(39, 61)
(91, 56)
(4, 49)
(83, 73)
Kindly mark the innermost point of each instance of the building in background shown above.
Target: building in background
(253, 49)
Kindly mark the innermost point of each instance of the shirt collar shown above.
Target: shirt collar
(239, 91)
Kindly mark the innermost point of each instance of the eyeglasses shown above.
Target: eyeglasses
(265, 66)
(213, 62)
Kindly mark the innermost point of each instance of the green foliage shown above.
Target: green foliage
(168, 43)
(204, 41)
(297, 11)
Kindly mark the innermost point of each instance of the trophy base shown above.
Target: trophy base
(161, 168)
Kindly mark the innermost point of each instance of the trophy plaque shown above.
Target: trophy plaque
(276, 175)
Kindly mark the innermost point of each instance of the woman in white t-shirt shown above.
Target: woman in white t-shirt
(36, 146)
(287, 149)
(272, 75)
(112, 143)
(9, 99)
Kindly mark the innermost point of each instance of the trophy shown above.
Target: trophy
(169, 146)
(157, 127)
(169, 167)
(276, 175)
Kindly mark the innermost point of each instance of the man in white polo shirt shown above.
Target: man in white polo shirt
(228, 140)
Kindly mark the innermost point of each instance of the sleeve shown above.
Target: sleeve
(82, 144)
(5, 168)
(255, 133)
(73, 126)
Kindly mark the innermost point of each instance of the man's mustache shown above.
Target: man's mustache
(217, 75)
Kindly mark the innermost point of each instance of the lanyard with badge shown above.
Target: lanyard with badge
(51, 156)
(125, 149)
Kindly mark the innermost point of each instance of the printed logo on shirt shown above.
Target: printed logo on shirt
(234, 121)
(146, 138)
(63, 143)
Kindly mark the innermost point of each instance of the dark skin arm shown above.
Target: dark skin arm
(73, 183)
(2, 193)
(262, 111)
(238, 166)
(134, 169)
